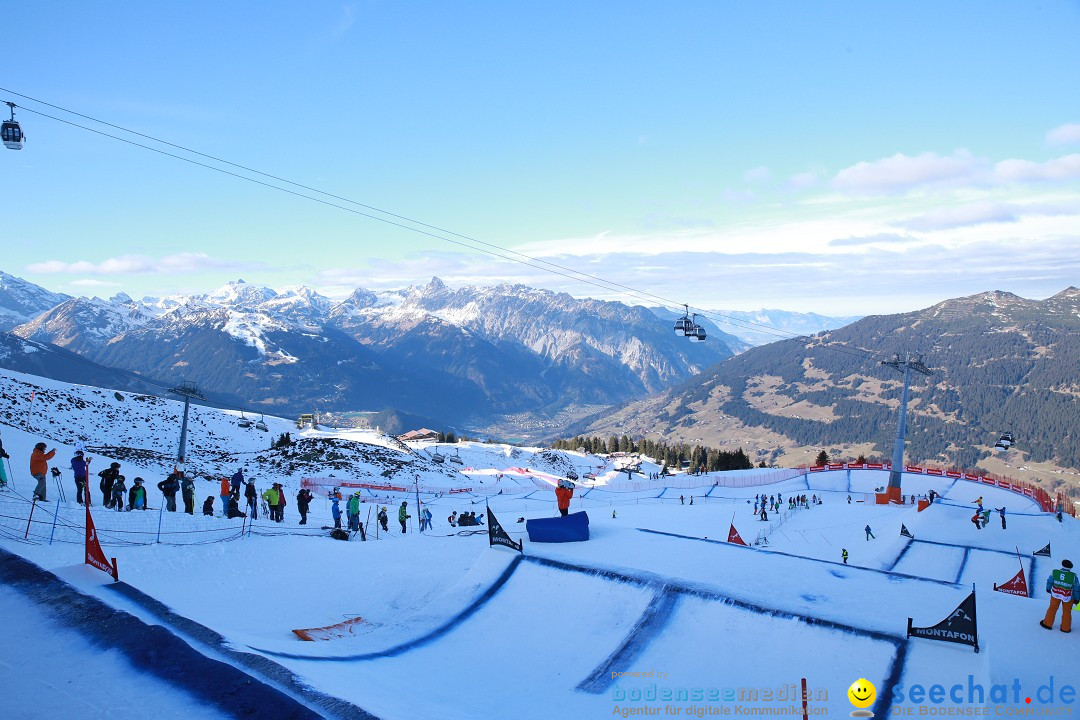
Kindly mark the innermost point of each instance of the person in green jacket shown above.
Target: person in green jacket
(844, 555)
(352, 509)
(403, 515)
(1064, 588)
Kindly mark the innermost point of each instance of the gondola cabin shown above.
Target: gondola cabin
(11, 133)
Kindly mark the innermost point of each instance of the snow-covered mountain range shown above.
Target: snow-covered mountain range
(21, 301)
(460, 355)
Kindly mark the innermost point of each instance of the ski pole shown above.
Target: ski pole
(29, 519)
(55, 513)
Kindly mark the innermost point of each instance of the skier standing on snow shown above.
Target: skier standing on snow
(80, 466)
(1001, 514)
(272, 497)
(108, 477)
(119, 487)
(565, 491)
(425, 519)
(869, 533)
(303, 499)
(403, 515)
(383, 519)
(352, 509)
(39, 468)
(224, 494)
(236, 480)
(452, 519)
(335, 511)
(3, 473)
(281, 503)
(187, 492)
(252, 497)
(169, 487)
(1064, 588)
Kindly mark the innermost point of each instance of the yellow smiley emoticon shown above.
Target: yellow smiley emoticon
(862, 693)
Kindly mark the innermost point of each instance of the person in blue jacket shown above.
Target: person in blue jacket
(335, 510)
(80, 466)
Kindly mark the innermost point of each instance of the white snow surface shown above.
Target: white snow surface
(654, 590)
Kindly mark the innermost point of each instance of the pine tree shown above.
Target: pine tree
(822, 458)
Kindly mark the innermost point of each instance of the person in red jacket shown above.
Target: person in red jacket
(226, 488)
(563, 493)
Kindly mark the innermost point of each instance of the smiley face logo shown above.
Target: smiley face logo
(862, 694)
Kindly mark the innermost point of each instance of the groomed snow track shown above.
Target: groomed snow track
(666, 597)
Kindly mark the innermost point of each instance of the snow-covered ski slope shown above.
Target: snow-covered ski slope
(455, 629)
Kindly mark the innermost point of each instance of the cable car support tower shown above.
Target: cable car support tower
(896, 471)
(188, 391)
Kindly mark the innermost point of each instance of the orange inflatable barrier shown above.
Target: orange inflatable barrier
(331, 632)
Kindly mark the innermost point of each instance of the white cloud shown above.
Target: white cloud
(1067, 134)
(891, 277)
(901, 173)
(90, 282)
(802, 181)
(962, 216)
(345, 20)
(142, 264)
(1019, 171)
(979, 213)
(878, 239)
(757, 175)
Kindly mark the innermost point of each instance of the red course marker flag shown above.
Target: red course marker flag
(1016, 586)
(94, 554)
(734, 537)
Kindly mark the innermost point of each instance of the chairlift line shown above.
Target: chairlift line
(695, 332)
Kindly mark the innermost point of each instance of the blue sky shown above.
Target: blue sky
(845, 158)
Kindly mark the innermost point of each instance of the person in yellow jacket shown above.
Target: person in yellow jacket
(273, 498)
